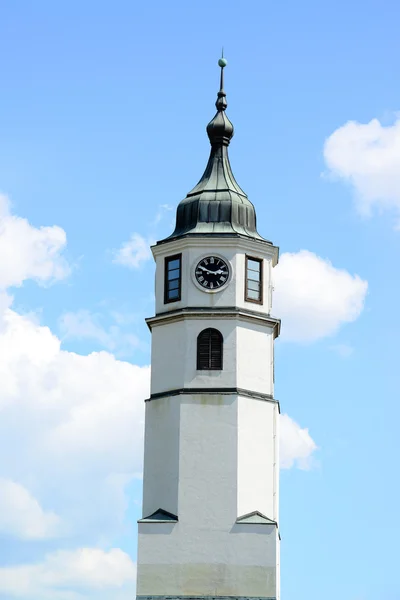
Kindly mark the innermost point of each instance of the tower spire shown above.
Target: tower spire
(221, 102)
(220, 129)
(217, 204)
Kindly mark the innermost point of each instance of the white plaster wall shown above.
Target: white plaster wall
(234, 251)
(256, 457)
(278, 566)
(183, 561)
(277, 422)
(174, 355)
(208, 466)
(161, 456)
(254, 344)
(247, 359)
(225, 462)
(210, 458)
(168, 356)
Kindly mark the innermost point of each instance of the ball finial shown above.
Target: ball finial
(222, 62)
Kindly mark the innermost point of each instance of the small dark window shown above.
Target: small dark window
(209, 350)
(254, 280)
(172, 278)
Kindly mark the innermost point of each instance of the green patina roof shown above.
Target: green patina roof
(217, 204)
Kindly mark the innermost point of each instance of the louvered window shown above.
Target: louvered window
(172, 278)
(209, 350)
(254, 280)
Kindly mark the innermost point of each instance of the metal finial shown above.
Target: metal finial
(222, 61)
(221, 103)
(220, 129)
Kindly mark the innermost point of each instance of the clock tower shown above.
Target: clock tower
(211, 464)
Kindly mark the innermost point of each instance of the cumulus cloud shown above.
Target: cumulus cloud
(162, 211)
(28, 252)
(74, 421)
(367, 156)
(72, 575)
(134, 252)
(86, 325)
(22, 516)
(296, 445)
(313, 298)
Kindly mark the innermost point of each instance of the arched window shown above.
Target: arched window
(209, 350)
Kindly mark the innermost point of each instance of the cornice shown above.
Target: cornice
(231, 391)
(192, 597)
(221, 241)
(229, 312)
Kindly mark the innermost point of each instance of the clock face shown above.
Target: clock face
(212, 272)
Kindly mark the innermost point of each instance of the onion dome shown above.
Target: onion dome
(217, 204)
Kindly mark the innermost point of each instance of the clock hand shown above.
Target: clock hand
(206, 270)
(218, 272)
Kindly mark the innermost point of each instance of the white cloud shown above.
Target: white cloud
(135, 252)
(367, 156)
(29, 252)
(162, 211)
(313, 298)
(86, 325)
(72, 575)
(83, 324)
(73, 424)
(21, 514)
(296, 445)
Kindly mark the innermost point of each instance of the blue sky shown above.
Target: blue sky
(102, 132)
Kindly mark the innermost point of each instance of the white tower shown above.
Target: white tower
(211, 465)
